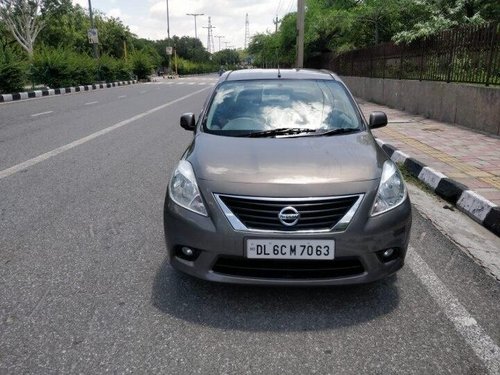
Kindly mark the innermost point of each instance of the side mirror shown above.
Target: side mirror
(377, 120)
(188, 121)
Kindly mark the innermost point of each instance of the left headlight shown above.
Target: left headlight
(391, 191)
(183, 189)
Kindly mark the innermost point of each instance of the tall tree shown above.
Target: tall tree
(23, 18)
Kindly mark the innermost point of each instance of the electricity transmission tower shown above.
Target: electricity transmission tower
(247, 31)
(210, 37)
(276, 22)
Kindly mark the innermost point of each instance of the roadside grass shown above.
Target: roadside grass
(408, 177)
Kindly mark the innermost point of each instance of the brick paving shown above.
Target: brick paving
(464, 155)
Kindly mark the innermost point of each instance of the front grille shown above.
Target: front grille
(288, 269)
(315, 214)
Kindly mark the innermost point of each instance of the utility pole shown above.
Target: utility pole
(168, 22)
(210, 38)
(300, 33)
(195, 28)
(276, 21)
(219, 37)
(94, 45)
(226, 43)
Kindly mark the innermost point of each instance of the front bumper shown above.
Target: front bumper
(214, 239)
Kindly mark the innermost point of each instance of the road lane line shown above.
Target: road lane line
(41, 113)
(29, 163)
(90, 103)
(122, 96)
(482, 344)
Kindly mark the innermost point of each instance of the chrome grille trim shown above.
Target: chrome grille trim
(238, 225)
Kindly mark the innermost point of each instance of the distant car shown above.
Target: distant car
(284, 184)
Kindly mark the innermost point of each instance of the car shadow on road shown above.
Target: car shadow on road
(250, 308)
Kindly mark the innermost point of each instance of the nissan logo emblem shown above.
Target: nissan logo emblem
(289, 216)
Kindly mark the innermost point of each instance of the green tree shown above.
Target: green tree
(226, 57)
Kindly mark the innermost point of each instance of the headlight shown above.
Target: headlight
(391, 191)
(183, 189)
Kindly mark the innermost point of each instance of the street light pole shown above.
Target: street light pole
(94, 45)
(168, 23)
(219, 37)
(300, 33)
(195, 28)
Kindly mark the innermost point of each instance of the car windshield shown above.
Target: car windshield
(281, 108)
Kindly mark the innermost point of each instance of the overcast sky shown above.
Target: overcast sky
(148, 18)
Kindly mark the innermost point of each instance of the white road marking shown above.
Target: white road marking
(41, 113)
(143, 92)
(90, 103)
(122, 96)
(29, 163)
(482, 344)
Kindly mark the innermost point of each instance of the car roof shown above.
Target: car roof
(250, 74)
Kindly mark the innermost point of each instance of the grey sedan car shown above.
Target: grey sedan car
(284, 184)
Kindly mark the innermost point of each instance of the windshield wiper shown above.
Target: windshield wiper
(338, 131)
(279, 131)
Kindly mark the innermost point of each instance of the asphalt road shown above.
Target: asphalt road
(84, 287)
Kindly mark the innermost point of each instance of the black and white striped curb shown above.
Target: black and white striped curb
(65, 90)
(471, 203)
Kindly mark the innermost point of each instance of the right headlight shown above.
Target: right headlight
(184, 190)
(391, 191)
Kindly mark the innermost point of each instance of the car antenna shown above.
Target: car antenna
(278, 62)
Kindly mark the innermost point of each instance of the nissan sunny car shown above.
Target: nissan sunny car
(284, 184)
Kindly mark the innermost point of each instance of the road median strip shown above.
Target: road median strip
(466, 200)
(4, 98)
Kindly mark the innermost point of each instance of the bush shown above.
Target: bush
(123, 70)
(83, 69)
(52, 67)
(107, 68)
(142, 64)
(189, 67)
(12, 73)
(62, 68)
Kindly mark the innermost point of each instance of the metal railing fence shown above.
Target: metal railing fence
(466, 54)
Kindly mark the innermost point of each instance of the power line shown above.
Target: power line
(278, 8)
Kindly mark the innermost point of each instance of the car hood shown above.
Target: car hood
(292, 160)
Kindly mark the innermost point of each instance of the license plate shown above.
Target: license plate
(290, 249)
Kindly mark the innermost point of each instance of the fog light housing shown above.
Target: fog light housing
(385, 254)
(389, 254)
(187, 253)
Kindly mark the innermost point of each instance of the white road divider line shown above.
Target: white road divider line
(41, 113)
(90, 103)
(483, 345)
(122, 96)
(31, 162)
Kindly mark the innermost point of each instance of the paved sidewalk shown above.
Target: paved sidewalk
(463, 155)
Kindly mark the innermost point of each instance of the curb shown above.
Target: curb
(4, 98)
(469, 202)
